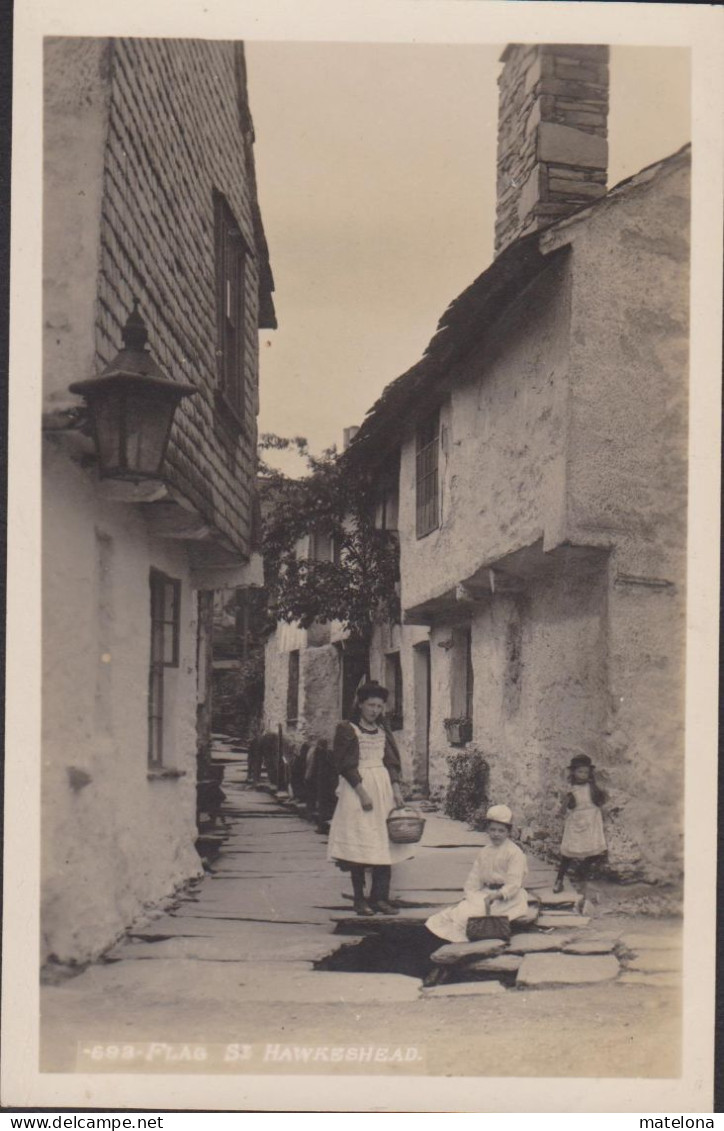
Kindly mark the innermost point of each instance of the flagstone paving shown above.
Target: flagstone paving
(271, 906)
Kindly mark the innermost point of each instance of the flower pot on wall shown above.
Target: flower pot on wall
(459, 731)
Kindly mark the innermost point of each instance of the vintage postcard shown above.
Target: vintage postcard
(364, 465)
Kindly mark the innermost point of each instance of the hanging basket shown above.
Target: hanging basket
(405, 826)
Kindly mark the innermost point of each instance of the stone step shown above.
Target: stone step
(535, 943)
(453, 953)
(551, 899)
(363, 924)
(539, 970)
(500, 964)
(558, 919)
(464, 989)
(589, 946)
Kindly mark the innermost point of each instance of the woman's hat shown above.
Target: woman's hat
(580, 760)
(500, 813)
(372, 690)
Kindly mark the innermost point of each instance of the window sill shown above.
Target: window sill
(157, 775)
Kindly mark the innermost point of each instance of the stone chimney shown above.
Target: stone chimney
(348, 435)
(552, 131)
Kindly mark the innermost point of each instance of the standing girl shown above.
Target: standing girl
(368, 762)
(583, 838)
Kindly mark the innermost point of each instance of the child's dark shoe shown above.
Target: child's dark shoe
(362, 907)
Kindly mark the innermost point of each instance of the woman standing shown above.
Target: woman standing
(368, 762)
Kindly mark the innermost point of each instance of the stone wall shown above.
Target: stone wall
(410, 738)
(319, 684)
(502, 457)
(568, 430)
(552, 130)
(627, 483)
(137, 135)
(114, 842)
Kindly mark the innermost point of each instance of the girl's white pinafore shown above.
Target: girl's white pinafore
(583, 834)
(358, 836)
(505, 867)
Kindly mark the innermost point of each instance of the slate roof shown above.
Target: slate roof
(464, 324)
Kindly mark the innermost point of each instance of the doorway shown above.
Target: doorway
(422, 686)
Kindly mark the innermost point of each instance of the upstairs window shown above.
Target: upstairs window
(426, 479)
(231, 263)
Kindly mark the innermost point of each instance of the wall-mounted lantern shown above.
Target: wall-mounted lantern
(131, 407)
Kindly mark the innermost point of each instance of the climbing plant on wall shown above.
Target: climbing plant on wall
(354, 578)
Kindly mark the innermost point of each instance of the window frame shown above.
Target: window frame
(427, 478)
(231, 255)
(463, 673)
(160, 587)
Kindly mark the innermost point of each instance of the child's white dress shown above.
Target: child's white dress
(583, 834)
(504, 867)
(358, 836)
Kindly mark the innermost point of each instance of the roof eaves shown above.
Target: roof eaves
(460, 326)
(458, 331)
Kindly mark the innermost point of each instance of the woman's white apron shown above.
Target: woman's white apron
(358, 836)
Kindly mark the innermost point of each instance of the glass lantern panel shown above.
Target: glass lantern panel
(148, 418)
(107, 411)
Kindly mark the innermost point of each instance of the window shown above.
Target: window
(165, 619)
(293, 689)
(463, 680)
(426, 480)
(321, 547)
(393, 683)
(231, 257)
(388, 498)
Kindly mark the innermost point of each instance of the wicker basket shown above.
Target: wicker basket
(405, 826)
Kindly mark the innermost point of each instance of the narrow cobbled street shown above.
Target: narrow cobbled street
(227, 979)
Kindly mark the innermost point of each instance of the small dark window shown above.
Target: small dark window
(293, 689)
(231, 261)
(469, 675)
(320, 546)
(165, 621)
(426, 479)
(393, 683)
(463, 684)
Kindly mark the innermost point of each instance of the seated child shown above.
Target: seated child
(495, 883)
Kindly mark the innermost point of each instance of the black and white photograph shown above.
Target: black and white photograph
(370, 759)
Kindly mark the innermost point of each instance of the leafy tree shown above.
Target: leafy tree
(359, 585)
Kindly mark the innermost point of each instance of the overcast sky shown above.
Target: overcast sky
(376, 176)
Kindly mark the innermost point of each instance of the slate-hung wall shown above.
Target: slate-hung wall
(176, 111)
